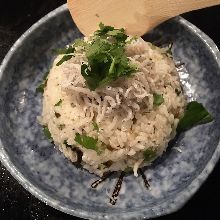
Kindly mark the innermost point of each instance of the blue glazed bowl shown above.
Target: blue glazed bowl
(44, 171)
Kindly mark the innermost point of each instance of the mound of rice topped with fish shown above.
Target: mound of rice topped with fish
(124, 122)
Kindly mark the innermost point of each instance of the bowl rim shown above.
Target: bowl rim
(164, 208)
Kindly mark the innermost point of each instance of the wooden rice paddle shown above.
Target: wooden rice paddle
(136, 16)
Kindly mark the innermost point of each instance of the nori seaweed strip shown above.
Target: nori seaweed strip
(79, 156)
(78, 152)
(117, 189)
(146, 183)
(97, 182)
(179, 64)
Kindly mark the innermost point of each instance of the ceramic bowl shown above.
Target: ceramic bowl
(44, 171)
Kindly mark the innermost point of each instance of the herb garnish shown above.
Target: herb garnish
(158, 99)
(42, 86)
(149, 154)
(106, 57)
(169, 50)
(64, 58)
(69, 51)
(59, 102)
(68, 54)
(87, 142)
(132, 39)
(195, 114)
(95, 126)
(47, 132)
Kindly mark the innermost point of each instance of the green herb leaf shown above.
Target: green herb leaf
(95, 126)
(87, 142)
(106, 63)
(59, 102)
(132, 39)
(42, 86)
(71, 49)
(47, 132)
(158, 99)
(109, 31)
(46, 75)
(67, 50)
(195, 114)
(149, 154)
(169, 50)
(80, 43)
(64, 59)
(103, 29)
(106, 56)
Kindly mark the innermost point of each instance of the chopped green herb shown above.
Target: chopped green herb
(158, 99)
(64, 58)
(132, 39)
(95, 126)
(59, 102)
(67, 50)
(106, 56)
(61, 126)
(42, 86)
(195, 114)
(47, 132)
(106, 63)
(103, 29)
(169, 50)
(80, 43)
(87, 142)
(109, 31)
(46, 75)
(149, 154)
(57, 114)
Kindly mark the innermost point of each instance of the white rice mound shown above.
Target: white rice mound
(129, 123)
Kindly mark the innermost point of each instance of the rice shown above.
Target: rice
(129, 122)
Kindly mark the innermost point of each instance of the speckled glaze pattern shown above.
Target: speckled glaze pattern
(44, 171)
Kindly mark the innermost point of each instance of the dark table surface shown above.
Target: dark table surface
(15, 202)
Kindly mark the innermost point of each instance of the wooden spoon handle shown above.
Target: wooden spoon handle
(137, 16)
(171, 8)
(158, 11)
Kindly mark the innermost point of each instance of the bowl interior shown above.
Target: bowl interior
(46, 168)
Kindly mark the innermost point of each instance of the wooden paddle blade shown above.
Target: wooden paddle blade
(87, 14)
